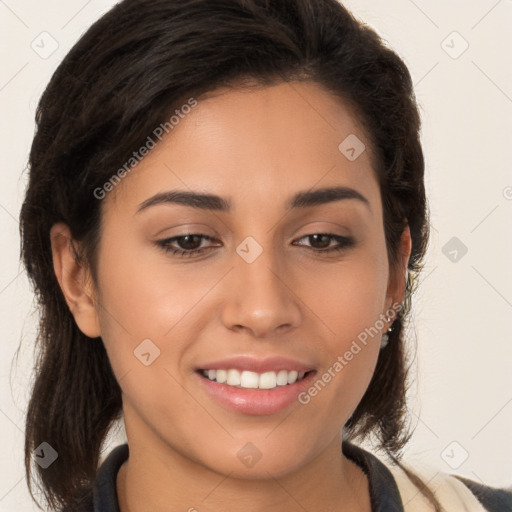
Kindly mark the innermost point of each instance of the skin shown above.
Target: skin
(258, 148)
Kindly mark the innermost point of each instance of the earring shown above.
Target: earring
(385, 338)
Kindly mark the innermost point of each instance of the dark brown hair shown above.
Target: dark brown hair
(121, 80)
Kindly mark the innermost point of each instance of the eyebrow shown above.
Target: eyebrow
(304, 199)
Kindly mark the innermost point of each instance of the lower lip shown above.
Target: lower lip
(255, 401)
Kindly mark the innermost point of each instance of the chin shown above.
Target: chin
(257, 461)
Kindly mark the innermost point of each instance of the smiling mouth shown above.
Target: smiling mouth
(245, 379)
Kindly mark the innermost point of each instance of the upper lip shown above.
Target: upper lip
(256, 364)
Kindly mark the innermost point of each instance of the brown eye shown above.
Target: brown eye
(320, 242)
(188, 245)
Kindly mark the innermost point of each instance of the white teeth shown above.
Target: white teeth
(268, 380)
(253, 380)
(249, 379)
(292, 376)
(233, 378)
(282, 378)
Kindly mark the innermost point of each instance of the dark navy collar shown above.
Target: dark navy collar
(384, 493)
(105, 486)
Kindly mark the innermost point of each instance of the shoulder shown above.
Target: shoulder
(454, 492)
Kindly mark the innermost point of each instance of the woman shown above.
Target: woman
(224, 221)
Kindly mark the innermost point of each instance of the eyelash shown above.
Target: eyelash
(165, 245)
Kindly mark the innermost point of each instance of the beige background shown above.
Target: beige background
(461, 404)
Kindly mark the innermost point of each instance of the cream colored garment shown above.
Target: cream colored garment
(452, 494)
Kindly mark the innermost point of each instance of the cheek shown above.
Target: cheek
(350, 296)
(350, 303)
(144, 295)
(349, 299)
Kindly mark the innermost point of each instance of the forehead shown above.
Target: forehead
(260, 144)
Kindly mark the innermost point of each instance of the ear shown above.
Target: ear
(398, 275)
(74, 280)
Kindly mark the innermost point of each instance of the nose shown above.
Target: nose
(260, 297)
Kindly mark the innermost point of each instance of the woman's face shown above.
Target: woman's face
(260, 297)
